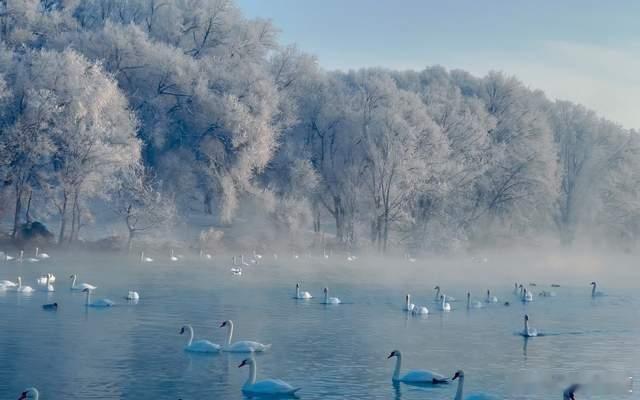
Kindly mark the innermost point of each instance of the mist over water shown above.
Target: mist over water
(333, 352)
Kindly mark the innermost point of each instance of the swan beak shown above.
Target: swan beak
(390, 355)
(23, 396)
(223, 324)
(456, 376)
(244, 362)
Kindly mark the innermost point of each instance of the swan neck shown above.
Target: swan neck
(326, 296)
(408, 302)
(526, 326)
(88, 297)
(593, 290)
(190, 335)
(396, 371)
(73, 282)
(298, 291)
(468, 301)
(252, 374)
(19, 282)
(229, 332)
(437, 294)
(460, 388)
(444, 298)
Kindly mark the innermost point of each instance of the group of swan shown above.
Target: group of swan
(38, 256)
(17, 287)
(304, 295)
(205, 346)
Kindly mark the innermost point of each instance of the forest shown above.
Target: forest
(160, 113)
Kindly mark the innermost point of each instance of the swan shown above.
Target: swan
(208, 256)
(8, 257)
(173, 257)
(526, 296)
(145, 259)
(23, 289)
(420, 310)
(8, 284)
(569, 393)
(438, 295)
(444, 306)
(269, 387)
(302, 295)
(21, 256)
(408, 305)
(474, 303)
(81, 286)
(242, 261)
(132, 295)
(41, 255)
(257, 256)
(459, 375)
(48, 287)
(594, 292)
(414, 375)
(30, 393)
(491, 299)
(51, 278)
(243, 346)
(330, 300)
(199, 346)
(236, 271)
(527, 331)
(97, 303)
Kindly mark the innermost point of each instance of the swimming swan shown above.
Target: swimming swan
(199, 346)
(243, 346)
(133, 295)
(269, 387)
(302, 295)
(420, 310)
(459, 375)
(491, 299)
(474, 303)
(408, 305)
(23, 289)
(594, 292)
(41, 255)
(48, 276)
(145, 259)
(330, 300)
(527, 331)
(30, 393)
(81, 286)
(48, 287)
(414, 375)
(444, 306)
(526, 296)
(97, 303)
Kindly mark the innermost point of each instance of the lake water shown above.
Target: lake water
(134, 351)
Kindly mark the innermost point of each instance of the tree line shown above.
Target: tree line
(163, 109)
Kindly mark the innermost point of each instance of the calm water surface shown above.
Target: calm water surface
(134, 351)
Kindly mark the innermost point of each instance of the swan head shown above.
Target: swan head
(436, 288)
(458, 374)
(526, 317)
(246, 361)
(225, 323)
(569, 393)
(325, 290)
(394, 353)
(592, 284)
(29, 393)
(183, 329)
(72, 276)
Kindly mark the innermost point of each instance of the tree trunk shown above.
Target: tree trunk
(27, 214)
(130, 240)
(63, 218)
(339, 217)
(18, 211)
(208, 200)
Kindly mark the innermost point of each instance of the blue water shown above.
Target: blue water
(134, 351)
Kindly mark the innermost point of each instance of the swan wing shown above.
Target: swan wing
(203, 346)
(423, 376)
(8, 284)
(271, 386)
(83, 286)
(247, 346)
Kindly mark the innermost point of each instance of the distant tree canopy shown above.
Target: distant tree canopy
(97, 96)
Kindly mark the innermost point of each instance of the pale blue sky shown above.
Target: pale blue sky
(584, 51)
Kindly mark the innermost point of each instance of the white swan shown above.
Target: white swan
(414, 375)
(145, 259)
(459, 392)
(527, 331)
(438, 295)
(302, 295)
(243, 346)
(51, 278)
(444, 306)
(420, 310)
(133, 295)
(7, 257)
(199, 346)
(408, 305)
(490, 298)
(23, 289)
(474, 303)
(594, 292)
(30, 394)
(526, 296)
(8, 284)
(268, 387)
(41, 255)
(569, 393)
(173, 257)
(97, 303)
(236, 271)
(81, 286)
(48, 287)
(330, 300)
